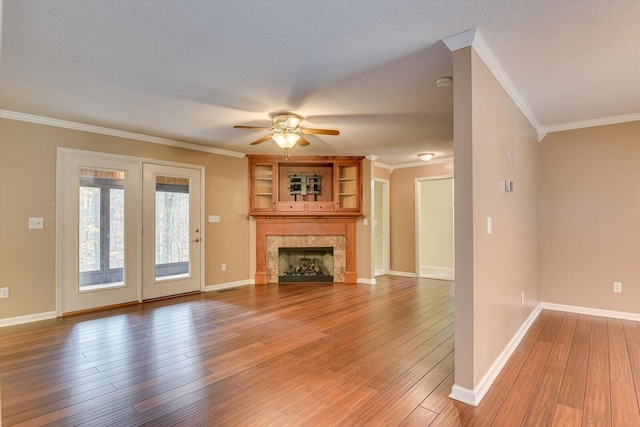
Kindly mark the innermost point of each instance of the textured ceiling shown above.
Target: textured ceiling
(190, 70)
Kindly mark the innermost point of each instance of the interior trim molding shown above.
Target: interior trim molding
(19, 320)
(592, 123)
(402, 273)
(474, 38)
(228, 285)
(591, 311)
(421, 163)
(463, 395)
(437, 272)
(366, 281)
(475, 396)
(30, 118)
(382, 165)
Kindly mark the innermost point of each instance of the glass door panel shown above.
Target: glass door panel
(101, 228)
(172, 227)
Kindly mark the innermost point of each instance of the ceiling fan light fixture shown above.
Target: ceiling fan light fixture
(425, 157)
(286, 140)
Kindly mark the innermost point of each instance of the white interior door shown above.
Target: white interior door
(98, 244)
(172, 231)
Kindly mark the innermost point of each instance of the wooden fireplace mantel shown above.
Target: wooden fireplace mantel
(305, 226)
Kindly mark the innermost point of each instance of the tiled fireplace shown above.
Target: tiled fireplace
(275, 244)
(275, 233)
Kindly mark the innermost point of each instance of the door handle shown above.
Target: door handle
(196, 240)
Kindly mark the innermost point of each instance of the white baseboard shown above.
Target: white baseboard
(366, 281)
(228, 285)
(28, 319)
(591, 311)
(379, 272)
(402, 273)
(436, 272)
(463, 395)
(473, 397)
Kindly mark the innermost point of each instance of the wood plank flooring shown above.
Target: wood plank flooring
(309, 355)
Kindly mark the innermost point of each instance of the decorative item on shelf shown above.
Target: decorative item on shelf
(302, 184)
(425, 157)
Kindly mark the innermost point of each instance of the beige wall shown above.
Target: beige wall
(28, 188)
(402, 202)
(381, 173)
(590, 217)
(493, 142)
(436, 223)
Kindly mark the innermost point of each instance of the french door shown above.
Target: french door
(172, 237)
(126, 230)
(98, 240)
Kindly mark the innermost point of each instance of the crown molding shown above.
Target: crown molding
(460, 41)
(474, 38)
(382, 165)
(12, 115)
(592, 123)
(371, 157)
(421, 163)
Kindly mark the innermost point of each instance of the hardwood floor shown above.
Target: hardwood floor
(309, 354)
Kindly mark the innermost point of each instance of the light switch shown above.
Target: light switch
(489, 225)
(365, 221)
(36, 223)
(214, 218)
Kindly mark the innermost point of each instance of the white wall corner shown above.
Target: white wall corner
(475, 396)
(371, 157)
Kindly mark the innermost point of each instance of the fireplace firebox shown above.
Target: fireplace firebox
(302, 264)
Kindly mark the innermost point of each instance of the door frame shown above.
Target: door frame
(61, 152)
(386, 241)
(418, 213)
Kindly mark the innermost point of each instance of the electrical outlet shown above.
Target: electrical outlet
(4, 292)
(617, 287)
(522, 297)
(224, 267)
(489, 225)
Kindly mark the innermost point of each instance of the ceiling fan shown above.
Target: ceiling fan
(286, 131)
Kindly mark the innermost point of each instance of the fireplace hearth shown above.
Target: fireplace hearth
(305, 264)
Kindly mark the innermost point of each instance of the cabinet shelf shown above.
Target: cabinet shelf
(338, 192)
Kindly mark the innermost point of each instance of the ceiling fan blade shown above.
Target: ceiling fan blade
(252, 127)
(302, 142)
(261, 140)
(320, 132)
